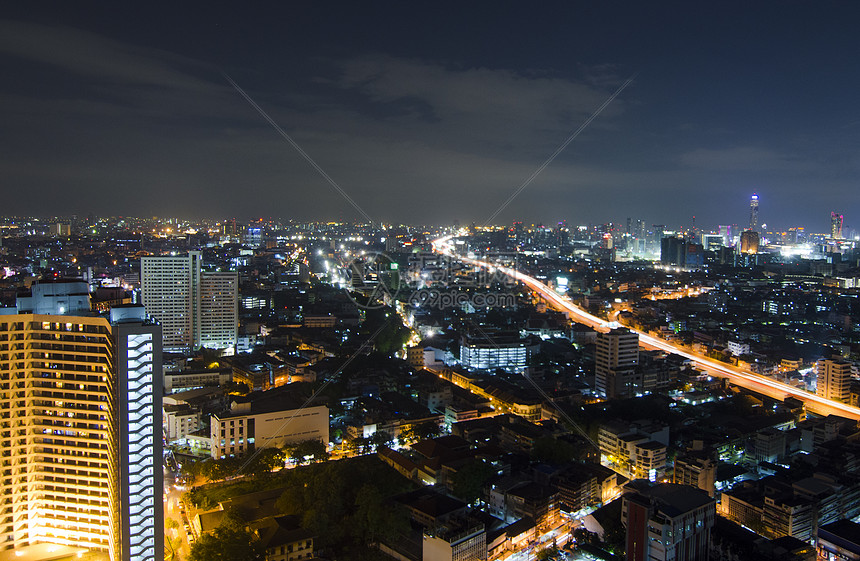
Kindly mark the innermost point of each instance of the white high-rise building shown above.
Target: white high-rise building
(834, 380)
(136, 414)
(169, 289)
(616, 359)
(219, 309)
(195, 308)
(80, 431)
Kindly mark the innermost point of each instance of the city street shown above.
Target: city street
(175, 534)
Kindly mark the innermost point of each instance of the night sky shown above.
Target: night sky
(431, 112)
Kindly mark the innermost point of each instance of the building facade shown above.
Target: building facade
(834, 380)
(616, 359)
(219, 309)
(668, 522)
(261, 420)
(80, 431)
(135, 412)
(491, 352)
(170, 291)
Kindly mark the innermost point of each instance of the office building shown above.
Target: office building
(835, 226)
(749, 242)
(195, 308)
(80, 429)
(481, 351)
(677, 252)
(834, 379)
(633, 452)
(616, 359)
(457, 540)
(219, 310)
(668, 522)
(135, 413)
(725, 232)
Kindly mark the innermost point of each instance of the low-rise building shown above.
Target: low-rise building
(189, 379)
(264, 419)
(697, 468)
(839, 541)
(180, 421)
(284, 539)
(460, 539)
(632, 451)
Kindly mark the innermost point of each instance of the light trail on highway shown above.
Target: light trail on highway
(737, 376)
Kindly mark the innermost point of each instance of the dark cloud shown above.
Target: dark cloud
(134, 117)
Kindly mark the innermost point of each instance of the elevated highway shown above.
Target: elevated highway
(737, 376)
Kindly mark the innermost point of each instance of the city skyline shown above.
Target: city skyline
(436, 116)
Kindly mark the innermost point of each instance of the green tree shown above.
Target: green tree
(553, 451)
(368, 519)
(227, 544)
(469, 480)
(583, 536)
(548, 553)
(372, 519)
(314, 449)
(381, 438)
(615, 538)
(358, 445)
(415, 433)
(171, 548)
(265, 461)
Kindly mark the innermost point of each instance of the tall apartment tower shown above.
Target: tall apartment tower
(170, 292)
(836, 226)
(219, 309)
(754, 212)
(195, 308)
(138, 514)
(80, 425)
(616, 361)
(834, 380)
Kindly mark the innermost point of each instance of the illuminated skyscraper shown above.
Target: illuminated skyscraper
(835, 226)
(80, 429)
(726, 233)
(749, 241)
(754, 212)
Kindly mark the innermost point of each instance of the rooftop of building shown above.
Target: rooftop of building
(281, 530)
(283, 398)
(430, 503)
(675, 500)
(844, 533)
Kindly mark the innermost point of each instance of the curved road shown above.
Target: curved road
(743, 378)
